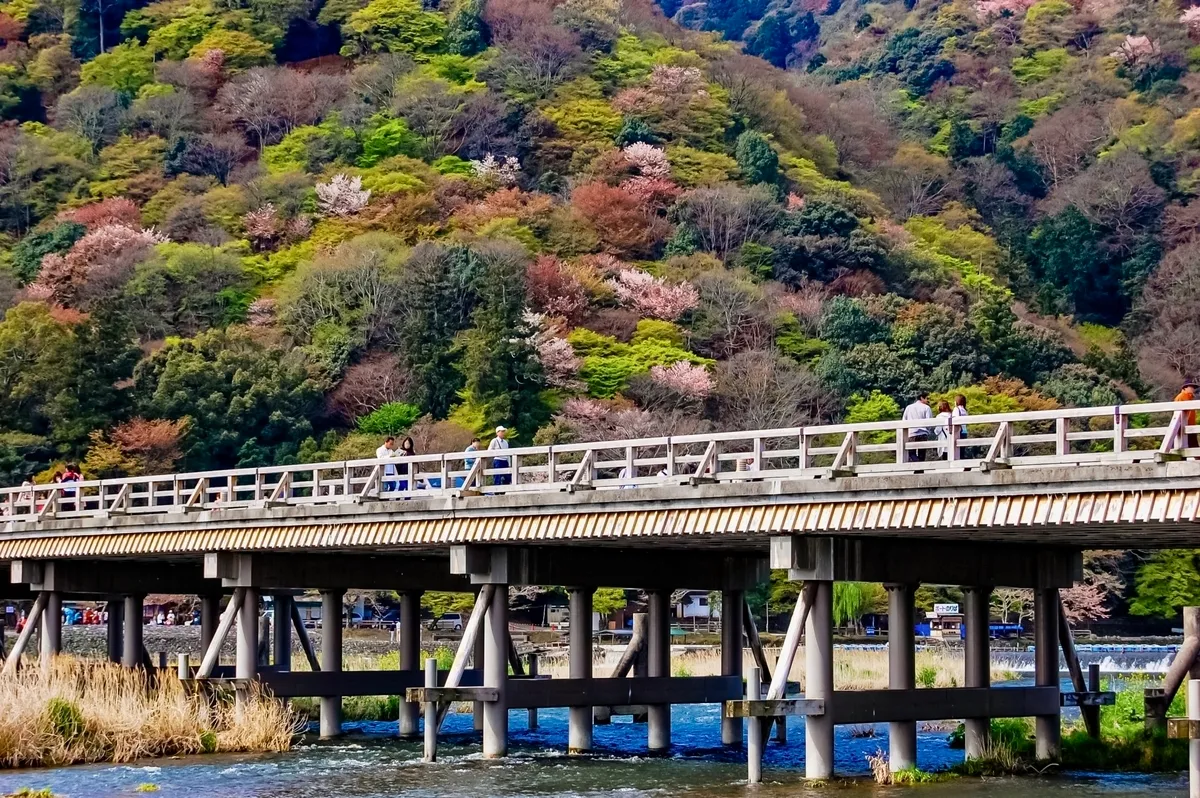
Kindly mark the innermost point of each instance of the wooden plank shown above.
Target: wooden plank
(1183, 729)
(877, 706)
(451, 695)
(291, 684)
(774, 708)
(544, 694)
(1087, 699)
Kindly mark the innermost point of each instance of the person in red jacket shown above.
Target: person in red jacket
(1188, 394)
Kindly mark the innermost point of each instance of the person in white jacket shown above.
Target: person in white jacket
(497, 443)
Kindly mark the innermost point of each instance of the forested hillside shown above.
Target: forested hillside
(239, 232)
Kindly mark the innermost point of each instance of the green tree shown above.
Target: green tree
(394, 26)
(125, 68)
(607, 600)
(772, 41)
(439, 602)
(249, 403)
(756, 158)
(62, 380)
(502, 373)
(28, 253)
(853, 600)
(439, 295)
(1167, 582)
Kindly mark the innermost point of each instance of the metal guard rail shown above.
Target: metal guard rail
(1067, 437)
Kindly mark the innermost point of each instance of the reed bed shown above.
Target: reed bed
(86, 711)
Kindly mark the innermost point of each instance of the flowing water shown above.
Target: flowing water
(369, 763)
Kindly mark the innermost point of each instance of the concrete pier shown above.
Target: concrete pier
(1048, 728)
(579, 739)
(478, 658)
(282, 621)
(731, 656)
(818, 669)
(978, 663)
(51, 641)
(410, 657)
(495, 675)
(658, 717)
(331, 659)
(210, 616)
(134, 618)
(247, 639)
(902, 672)
(116, 631)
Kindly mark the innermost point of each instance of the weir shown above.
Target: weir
(1013, 505)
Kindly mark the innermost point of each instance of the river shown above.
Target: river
(370, 763)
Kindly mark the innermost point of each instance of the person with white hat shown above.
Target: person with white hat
(500, 442)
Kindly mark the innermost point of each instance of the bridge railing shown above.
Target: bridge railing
(1067, 437)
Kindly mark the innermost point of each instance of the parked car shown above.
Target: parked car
(451, 621)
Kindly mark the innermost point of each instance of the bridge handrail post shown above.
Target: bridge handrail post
(1120, 428)
(1062, 446)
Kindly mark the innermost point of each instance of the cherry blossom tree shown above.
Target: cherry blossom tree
(342, 196)
(653, 296)
(263, 225)
(990, 9)
(554, 290)
(684, 378)
(504, 171)
(650, 161)
(558, 358)
(97, 263)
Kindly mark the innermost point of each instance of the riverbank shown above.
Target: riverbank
(87, 711)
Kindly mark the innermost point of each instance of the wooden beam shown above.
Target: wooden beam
(31, 621)
(547, 693)
(325, 684)
(466, 645)
(450, 695)
(774, 709)
(306, 645)
(878, 706)
(213, 655)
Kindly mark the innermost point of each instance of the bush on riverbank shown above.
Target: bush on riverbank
(1124, 745)
(99, 712)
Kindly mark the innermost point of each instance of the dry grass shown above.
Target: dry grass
(881, 769)
(98, 712)
(854, 669)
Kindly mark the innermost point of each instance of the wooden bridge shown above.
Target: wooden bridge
(982, 502)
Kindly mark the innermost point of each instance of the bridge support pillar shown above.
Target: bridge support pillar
(579, 735)
(902, 672)
(51, 642)
(410, 657)
(818, 673)
(210, 616)
(495, 674)
(331, 659)
(731, 656)
(116, 614)
(478, 658)
(281, 611)
(1048, 728)
(978, 663)
(658, 716)
(247, 639)
(133, 619)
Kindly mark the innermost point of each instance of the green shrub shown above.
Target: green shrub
(66, 719)
(391, 419)
(927, 676)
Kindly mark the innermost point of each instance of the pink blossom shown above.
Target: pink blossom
(102, 258)
(506, 172)
(989, 9)
(1191, 18)
(652, 296)
(342, 196)
(261, 313)
(650, 161)
(684, 378)
(558, 358)
(795, 201)
(262, 225)
(672, 81)
(1136, 51)
(581, 409)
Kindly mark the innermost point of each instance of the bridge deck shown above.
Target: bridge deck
(1092, 477)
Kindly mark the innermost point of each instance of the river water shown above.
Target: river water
(370, 763)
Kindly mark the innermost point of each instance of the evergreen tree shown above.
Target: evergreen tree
(756, 158)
